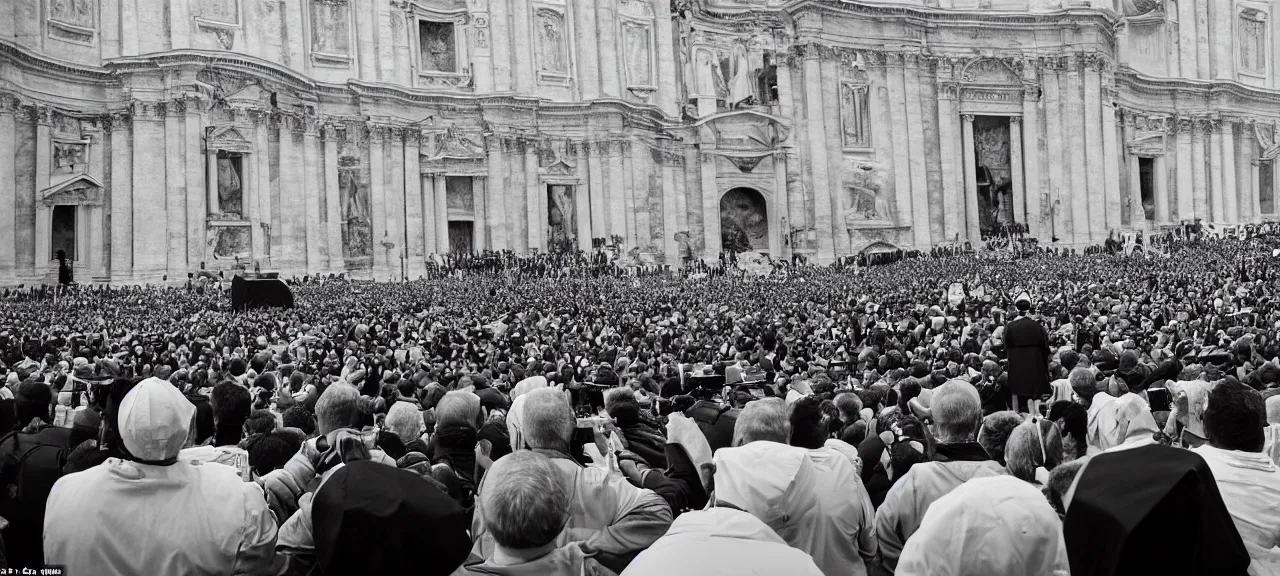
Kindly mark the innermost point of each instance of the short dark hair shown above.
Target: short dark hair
(238, 367)
(297, 416)
(231, 404)
(1073, 419)
(810, 426)
(260, 422)
(1235, 417)
(268, 452)
(33, 401)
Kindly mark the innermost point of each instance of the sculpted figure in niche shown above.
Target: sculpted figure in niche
(562, 219)
(78, 12)
(740, 80)
(637, 44)
(230, 191)
(438, 47)
(553, 53)
(356, 232)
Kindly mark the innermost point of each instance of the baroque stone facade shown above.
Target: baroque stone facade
(148, 138)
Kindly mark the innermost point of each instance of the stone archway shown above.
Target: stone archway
(744, 221)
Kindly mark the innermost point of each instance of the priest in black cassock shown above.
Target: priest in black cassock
(1027, 342)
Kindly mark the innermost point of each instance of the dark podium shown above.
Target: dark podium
(263, 290)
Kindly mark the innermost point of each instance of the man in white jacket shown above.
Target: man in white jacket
(156, 513)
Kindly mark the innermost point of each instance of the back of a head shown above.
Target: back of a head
(458, 409)
(849, 404)
(995, 433)
(1083, 382)
(548, 420)
(764, 419)
(809, 426)
(1028, 449)
(525, 503)
(32, 401)
(268, 452)
(957, 412)
(297, 416)
(338, 407)
(1273, 409)
(1235, 417)
(405, 420)
(955, 535)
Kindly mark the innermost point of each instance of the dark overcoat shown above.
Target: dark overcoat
(1027, 342)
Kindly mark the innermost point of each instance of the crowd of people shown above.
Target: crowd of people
(949, 412)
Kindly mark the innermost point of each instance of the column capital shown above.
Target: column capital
(968, 118)
(329, 132)
(1015, 120)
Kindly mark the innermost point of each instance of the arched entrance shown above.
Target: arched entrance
(744, 221)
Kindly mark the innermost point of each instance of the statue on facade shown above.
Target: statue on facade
(355, 212)
(740, 81)
(561, 219)
(230, 190)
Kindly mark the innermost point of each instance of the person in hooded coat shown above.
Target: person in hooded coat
(997, 526)
(142, 508)
(1150, 510)
(1027, 343)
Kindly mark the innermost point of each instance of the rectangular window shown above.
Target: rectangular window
(1253, 41)
(855, 117)
(438, 49)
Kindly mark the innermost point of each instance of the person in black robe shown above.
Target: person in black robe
(1150, 510)
(1027, 343)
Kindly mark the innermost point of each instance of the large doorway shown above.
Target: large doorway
(744, 221)
(562, 218)
(460, 235)
(1147, 187)
(995, 178)
(63, 232)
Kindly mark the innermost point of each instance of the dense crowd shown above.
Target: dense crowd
(996, 413)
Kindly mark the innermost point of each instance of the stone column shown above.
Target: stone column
(1015, 170)
(1223, 46)
(595, 174)
(175, 190)
(1200, 179)
(1095, 143)
(666, 68)
(333, 199)
(587, 63)
(1137, 215)
(211, 175)
(1075, 123)
(149, 237)
(121, 195)
(1110, 160)
(953, 191)
(617, 205)
(8, 184)
(912, 201)
(428, 187)
(778, 221)
(442, 213)
(496, 216)
(263, 245)
(972, 232)
(313, 182)
(480, 224)
(1186, 202)
(414, 252)
(505, 27)
(816, 128)
(377, 202)
(1228, 166)
(1215, 189)
(534, 197)
(1056, 226)
(1256, 188)
(1031, 182)
(627, 183)
(710, 206)
(1161, 193)
(197, 209)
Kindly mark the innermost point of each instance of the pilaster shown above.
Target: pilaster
(599, 224)
(629, 190)
(44, 163)
(1031, 181)
(1015, 170)
(1216, 190)
(816, 124)
(1187, 40)
(1186, 201)
(619, 209)
(512, 21)
(333, 199)
(588, 52)
(1161, 192)
(1095, 145)
(414, 247)
(952, 207)
(972, 232)
(441, 214)
(1202, 39)
(584, 200)
(666, 69)
(911, 200)
(197, 208)
(264, 247)
(496, 217)
(1055, 226)
(1199, 177)
(121, 192)
(1230, 194)
(394, 208)
(1074, 124)
(378, 201)
(313, 183)
(149, 185)
(1110, 159)
(8, 183)
(534, 198)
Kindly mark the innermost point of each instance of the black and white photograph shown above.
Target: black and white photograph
(639, 287)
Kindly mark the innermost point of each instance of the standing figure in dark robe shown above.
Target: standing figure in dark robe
(1028, 344)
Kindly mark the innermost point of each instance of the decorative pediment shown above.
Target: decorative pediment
(990, 72)
(746, 130)
(228, 138)
(250, 95)
(556, 159)
(80, 190)
(1147, 143)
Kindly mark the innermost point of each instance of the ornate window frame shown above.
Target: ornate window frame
(1260, 13)
(461, 22)
(229, 138)
(863, 88)
(641, 88)
(73, 33)
(330, 59)
(571, 63)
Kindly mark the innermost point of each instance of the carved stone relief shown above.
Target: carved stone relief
(744, 222)
(866, 201)
(70, 157)
(553, 44)
(230, 241)
(437, 46)
(637, 43)
(562, 218)
(353, 191)
(78, 191)
(73, 20)
(1253, 40)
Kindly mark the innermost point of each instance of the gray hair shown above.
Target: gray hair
(614, 396)
(957, 412)
(458, 408)
(995, 433)
(850, 405)
(338, 407)
(405, 421)
(524, 502)
(764, 419)
(548, 420)
(1027, 450)
(1083, 382)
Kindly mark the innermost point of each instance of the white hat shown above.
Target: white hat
(154, 420)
